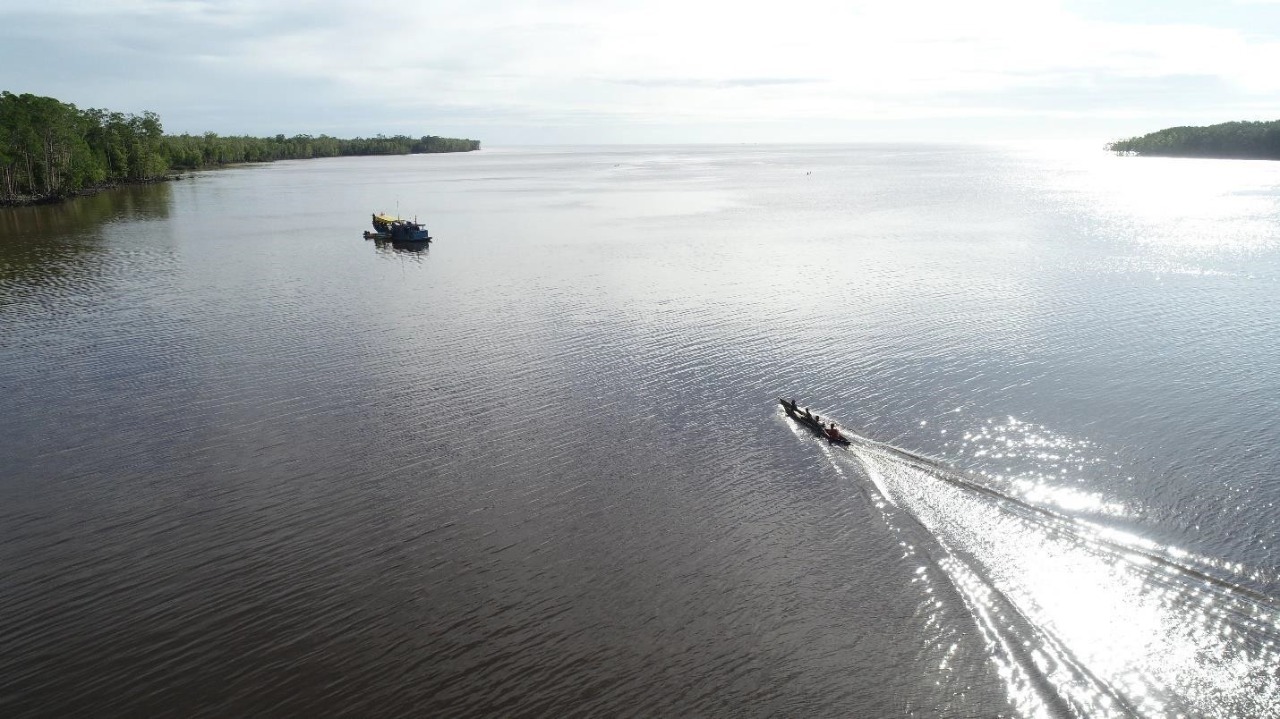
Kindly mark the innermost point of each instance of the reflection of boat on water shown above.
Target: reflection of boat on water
(395, 229)
(400, 246)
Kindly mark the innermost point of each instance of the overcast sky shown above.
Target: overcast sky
(591, 71)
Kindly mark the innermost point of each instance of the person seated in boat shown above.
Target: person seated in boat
(789, 406)
(833, 434)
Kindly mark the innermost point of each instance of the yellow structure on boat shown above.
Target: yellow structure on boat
(393, 228)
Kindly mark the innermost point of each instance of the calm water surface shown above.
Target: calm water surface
(252, 464)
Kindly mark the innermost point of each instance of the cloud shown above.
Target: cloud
(712, 84)
(366, 66)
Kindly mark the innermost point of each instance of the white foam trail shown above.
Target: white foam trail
(1081, 620)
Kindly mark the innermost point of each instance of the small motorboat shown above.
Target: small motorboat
(811, 421)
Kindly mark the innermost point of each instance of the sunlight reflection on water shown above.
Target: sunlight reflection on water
(1175, 207)
(1102, 621)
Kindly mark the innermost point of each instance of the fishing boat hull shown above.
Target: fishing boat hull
(414, 236)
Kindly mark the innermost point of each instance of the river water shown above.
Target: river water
(253, 464)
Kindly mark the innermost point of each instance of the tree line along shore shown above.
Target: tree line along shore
(51, 150)
(1227, 140)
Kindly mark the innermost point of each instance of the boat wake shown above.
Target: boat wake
(1079, 619)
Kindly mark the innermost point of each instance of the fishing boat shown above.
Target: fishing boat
(813, 423)
(386, 227)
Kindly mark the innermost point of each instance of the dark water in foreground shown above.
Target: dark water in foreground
(252, 464)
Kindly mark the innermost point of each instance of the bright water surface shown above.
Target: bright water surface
(252, 464)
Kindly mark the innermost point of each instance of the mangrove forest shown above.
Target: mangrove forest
(1228, 140)
(51, 149)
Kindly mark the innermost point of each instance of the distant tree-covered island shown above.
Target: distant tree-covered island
(1228, 140)
(51, 149)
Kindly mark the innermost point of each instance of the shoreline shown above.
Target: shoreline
(187, 173)
(36, 200)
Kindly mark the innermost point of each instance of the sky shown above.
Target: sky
(508, 72)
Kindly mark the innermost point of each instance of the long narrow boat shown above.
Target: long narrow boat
(807, 419)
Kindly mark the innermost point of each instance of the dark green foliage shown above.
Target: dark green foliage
(186, 152)
(1230, 140)
(52, 149)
